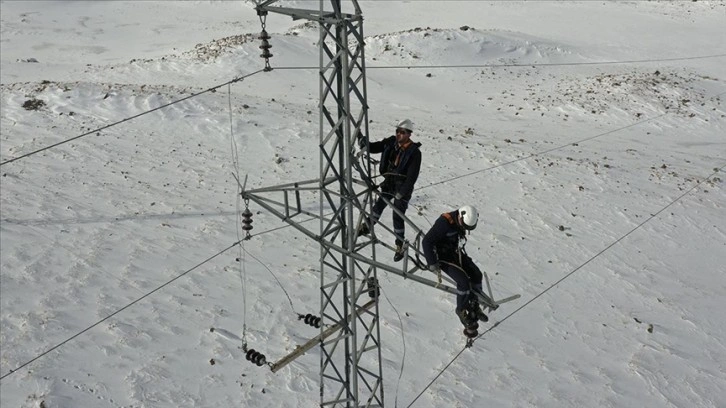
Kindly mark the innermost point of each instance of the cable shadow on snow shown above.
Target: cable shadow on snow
(110, 220)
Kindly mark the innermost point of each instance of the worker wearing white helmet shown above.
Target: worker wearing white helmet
(443, 247)
(400, 164)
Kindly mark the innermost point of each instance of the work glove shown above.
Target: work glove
(362, 142)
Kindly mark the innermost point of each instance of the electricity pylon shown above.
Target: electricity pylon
(350, 362)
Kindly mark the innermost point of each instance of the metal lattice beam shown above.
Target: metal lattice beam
(350, 362)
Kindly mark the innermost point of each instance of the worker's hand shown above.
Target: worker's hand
(437, 270)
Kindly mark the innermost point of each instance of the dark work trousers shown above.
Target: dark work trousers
(466, 276)
(399, 226)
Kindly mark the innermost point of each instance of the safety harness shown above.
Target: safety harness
(460, 247)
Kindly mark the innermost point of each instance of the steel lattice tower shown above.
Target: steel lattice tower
(350, 360)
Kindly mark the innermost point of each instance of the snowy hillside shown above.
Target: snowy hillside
(590, 135)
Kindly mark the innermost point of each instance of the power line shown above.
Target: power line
(241, 252)
(131, 117)
(543, 152)
(543, 64)
(555, 148)
(403, 342)
(368, 67)
(652, 216)
(118, 311)
(276, 279)
(152, 292)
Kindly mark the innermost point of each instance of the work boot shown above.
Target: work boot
(463, 315)
(477, 311)
(399, 253)
(466, 318)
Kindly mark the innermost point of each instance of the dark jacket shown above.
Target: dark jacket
(399, 176)
(441, 243)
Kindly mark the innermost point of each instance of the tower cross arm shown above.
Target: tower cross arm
(327, 17)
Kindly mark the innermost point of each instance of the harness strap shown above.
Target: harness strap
(459, 250)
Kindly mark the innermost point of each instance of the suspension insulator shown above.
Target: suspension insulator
(311, 320)
(256, 357)
(373, 289)
(247, 220)
(264, 37)
(265, 46)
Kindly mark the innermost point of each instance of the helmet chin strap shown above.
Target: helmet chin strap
(460, 224)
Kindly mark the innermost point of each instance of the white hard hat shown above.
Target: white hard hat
(405, 124)
(469, 216)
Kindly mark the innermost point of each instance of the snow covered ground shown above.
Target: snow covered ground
(590, 135)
